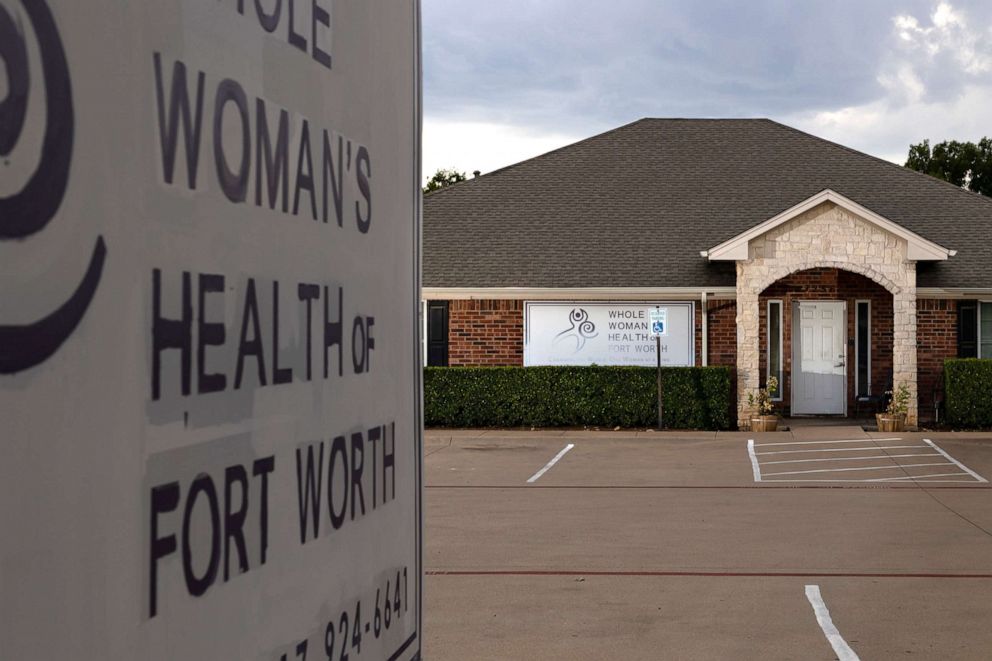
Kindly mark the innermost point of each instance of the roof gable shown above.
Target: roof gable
(918, 248)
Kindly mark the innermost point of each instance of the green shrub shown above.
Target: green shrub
(694, 397)
(968, 392)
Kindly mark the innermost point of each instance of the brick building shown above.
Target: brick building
(753, 244)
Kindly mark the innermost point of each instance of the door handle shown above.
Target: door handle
(842, 362)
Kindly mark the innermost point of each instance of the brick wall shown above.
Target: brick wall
(485, 332)
(490, 332)
(722, 341)
(936, 340)
(722, 322)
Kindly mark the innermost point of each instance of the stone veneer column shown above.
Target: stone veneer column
(748, 362)
(904, 365)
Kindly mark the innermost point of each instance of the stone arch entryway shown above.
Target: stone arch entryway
(826, 237)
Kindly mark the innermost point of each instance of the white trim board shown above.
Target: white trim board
(919, 248)
(857, 348)
(605, 294)
(953, 292)
(978, 335)
(642, 293)
(780, 374)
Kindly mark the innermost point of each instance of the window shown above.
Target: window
(862, 348)
(437, 333)
(974, 329)
(985, 329)
(775, 345)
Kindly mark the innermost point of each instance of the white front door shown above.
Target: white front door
(819, 363)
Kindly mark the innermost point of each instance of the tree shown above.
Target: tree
(964, 164)
(442, 178)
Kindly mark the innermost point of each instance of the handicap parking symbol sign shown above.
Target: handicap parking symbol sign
(659, 322)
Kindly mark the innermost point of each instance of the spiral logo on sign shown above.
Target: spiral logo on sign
(27, 211)
(580, 330)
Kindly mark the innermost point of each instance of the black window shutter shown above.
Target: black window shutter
(967, 329)
(437, 333)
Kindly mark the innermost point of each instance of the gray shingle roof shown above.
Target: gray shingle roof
(634, 206)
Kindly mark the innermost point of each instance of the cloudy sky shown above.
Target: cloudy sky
(507, 80)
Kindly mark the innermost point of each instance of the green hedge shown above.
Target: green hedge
(694, 397)
(968, 392)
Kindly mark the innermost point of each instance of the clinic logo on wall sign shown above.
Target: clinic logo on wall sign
(28, 210)
(580, 329)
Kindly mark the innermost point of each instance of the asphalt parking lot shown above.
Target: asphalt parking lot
(592, 545)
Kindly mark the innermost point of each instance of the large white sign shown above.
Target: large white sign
(209, 380)
(584, 333)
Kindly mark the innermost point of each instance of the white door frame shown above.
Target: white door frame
(796, 356)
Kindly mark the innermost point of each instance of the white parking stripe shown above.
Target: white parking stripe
(551, 463)
(928, 450)
(807, 481)
(845, 470)
(916, 477)
(874, 447)
(841, 648)
(857, 440)
(755, 469)
(880, 456)
(955, 461)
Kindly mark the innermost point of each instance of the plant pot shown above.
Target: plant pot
(891, 422)
(764, 422)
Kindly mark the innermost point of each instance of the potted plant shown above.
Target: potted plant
(894, 417)
(765, 420)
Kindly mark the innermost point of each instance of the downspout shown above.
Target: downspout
(705, 332)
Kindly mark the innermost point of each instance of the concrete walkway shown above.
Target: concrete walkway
(804, 432)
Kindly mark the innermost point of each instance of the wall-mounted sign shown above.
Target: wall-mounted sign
(592, 333)
(209, 445)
